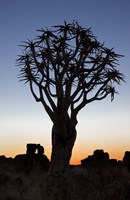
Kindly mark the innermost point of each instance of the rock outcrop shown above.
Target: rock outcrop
(31, 159)
(25, 162)
(98, 159)
(126, 159)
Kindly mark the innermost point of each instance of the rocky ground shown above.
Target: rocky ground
(94, 179)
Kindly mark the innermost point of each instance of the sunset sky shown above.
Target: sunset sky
(101, 125)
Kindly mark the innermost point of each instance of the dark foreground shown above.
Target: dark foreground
(93, 180)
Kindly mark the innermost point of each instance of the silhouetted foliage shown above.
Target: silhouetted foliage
(68, 65)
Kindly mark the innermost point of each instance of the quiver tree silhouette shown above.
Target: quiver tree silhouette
(67, 68)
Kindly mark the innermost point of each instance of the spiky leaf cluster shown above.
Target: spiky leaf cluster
(69, 67)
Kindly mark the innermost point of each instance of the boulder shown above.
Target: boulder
(126, 159)
(100, 154)
(40, 150)
(31, 149)
(98, 159)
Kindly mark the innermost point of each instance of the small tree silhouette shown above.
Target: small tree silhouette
(67, 68)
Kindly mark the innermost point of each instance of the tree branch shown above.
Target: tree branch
(33, 93)
(41, 99)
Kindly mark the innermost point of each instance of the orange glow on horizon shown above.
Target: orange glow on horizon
(75, 159)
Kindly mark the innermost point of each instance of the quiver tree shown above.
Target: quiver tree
(66, 69)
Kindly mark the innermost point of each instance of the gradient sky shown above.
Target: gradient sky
(103, 124)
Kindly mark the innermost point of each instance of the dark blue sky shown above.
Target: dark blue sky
(22, 120)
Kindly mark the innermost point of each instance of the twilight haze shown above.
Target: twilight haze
(103, 124)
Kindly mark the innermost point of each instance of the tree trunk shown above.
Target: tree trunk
(63, 139)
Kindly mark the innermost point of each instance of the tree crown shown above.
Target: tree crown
(69, 67)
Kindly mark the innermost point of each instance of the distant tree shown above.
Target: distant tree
(66, 69)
